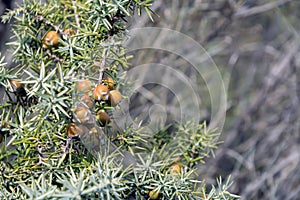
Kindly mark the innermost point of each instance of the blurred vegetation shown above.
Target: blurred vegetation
(255, 45)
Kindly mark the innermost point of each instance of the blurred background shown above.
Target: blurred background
(255, 45)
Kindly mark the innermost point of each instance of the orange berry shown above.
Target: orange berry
(69, 32)
(84, 86)
(100, 92)
(51, 39)
(114, 97)
(103, 117)
(175, 169)
(72, 130)
(16, 84)
(109, 82)
(17, 88)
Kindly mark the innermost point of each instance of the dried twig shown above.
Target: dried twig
(274, 75)
(75, 13)
(56, 28)
(289, 163)
(260, 9)
(102, 67)
(54, 56)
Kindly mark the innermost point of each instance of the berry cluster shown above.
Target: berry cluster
(104, 96)
(103, 93)
(99, 99)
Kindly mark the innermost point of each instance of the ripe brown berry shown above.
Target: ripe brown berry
(154, 194)
(74, 130)
(51, 39)
(114, 97)
(103, 117)
(100, 92)
(88, 101)
(109, 82)
(1, 137)
(82, 113)
(69, 32)
(84, 86)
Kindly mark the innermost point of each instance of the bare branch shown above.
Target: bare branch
(102, 67)
(260, 9)
(76, 15)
